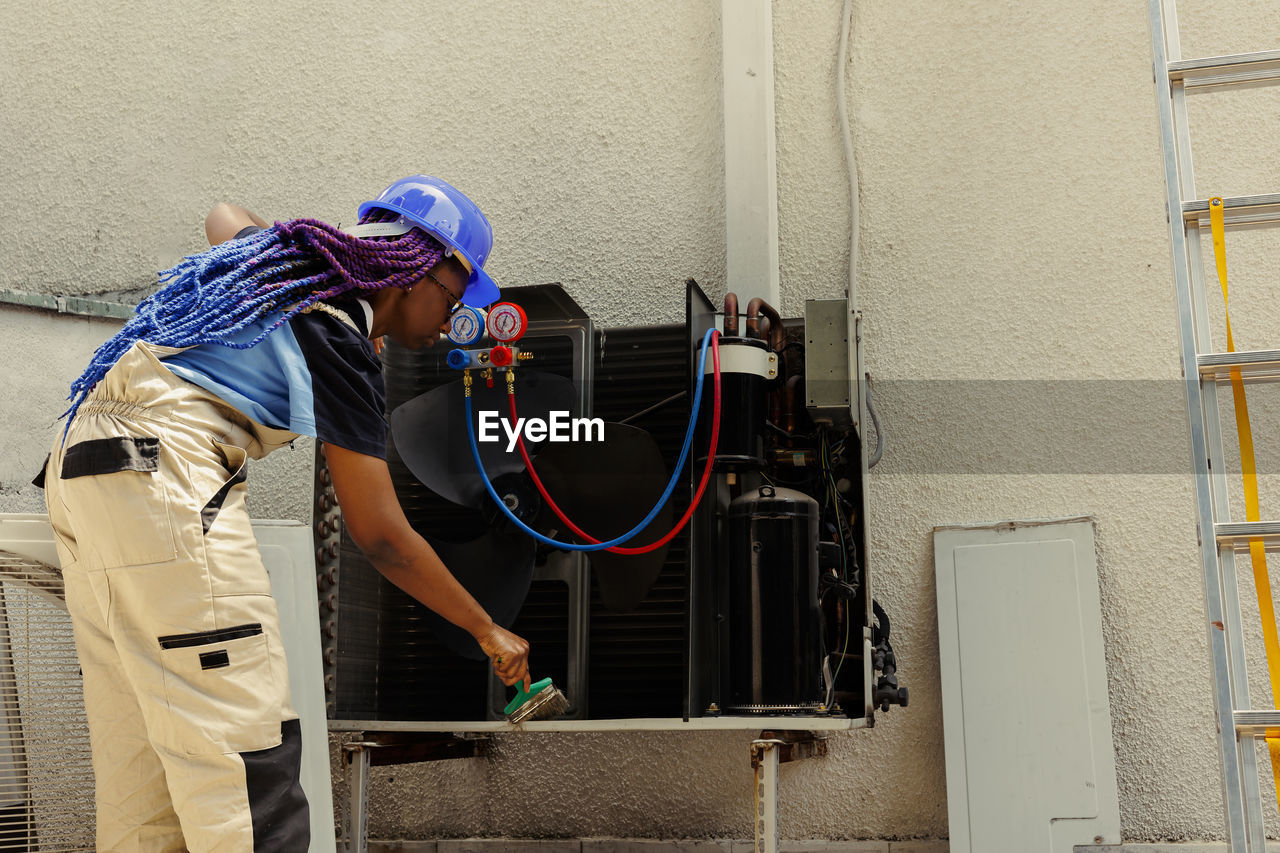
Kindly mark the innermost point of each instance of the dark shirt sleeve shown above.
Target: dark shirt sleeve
(349, 397)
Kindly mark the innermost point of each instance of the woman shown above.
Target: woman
(266, 336)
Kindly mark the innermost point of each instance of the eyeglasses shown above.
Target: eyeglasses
(455, 302)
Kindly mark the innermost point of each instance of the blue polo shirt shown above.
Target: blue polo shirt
(315, 375)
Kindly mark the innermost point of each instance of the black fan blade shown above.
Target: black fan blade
(496, 569)
(606, 488)
(430, 431)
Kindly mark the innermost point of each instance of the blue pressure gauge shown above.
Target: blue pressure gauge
(466, 326)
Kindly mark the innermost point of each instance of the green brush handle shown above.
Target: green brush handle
(521, 696)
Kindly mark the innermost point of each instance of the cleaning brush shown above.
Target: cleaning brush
(543, 702)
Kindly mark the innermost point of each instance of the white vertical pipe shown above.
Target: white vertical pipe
(750, 150)
(357, 771)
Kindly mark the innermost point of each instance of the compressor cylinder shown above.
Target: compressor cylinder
(772, 661)
(747, 368)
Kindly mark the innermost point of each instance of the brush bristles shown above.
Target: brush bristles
(548, 704)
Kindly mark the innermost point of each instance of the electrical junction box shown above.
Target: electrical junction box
(830, 362)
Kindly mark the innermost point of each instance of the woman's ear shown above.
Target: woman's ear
(459, 267)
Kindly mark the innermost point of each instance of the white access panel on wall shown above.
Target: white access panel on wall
(1027, 723)
(286, 549)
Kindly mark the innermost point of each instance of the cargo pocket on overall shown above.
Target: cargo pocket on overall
(235, 460)
(220, 690)
(116, 495)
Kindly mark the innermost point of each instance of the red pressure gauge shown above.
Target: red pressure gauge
(507, 322)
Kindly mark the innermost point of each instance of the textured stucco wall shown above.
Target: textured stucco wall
(1012, 229)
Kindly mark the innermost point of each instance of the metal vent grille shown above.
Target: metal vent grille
(637, 659)
(390, 666)
(46, 774)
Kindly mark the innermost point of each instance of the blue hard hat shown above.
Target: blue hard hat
(441, 210)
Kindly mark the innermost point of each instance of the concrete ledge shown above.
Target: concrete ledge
(816, 846)
(624, 845)
(492, 845)
(645, 845)
(1169, 847)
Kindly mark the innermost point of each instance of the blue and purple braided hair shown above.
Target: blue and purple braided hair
(211, 297)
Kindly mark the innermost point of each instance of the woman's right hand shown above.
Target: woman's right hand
(509, 654)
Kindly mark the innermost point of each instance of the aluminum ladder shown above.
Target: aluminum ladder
(1239, 726)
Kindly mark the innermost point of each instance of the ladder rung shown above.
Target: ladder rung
(1224, 70)
(1256, 364)
(1239, 533)
(1256, 723)
(1238, 210)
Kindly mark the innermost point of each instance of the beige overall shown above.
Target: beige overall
(195, 743)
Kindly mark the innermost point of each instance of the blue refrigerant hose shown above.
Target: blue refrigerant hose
(666, 495)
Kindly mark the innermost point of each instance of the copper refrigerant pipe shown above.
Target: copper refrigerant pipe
(731, 315)
(777, 335)
(790, 393)
(753, 317)
(782, 405)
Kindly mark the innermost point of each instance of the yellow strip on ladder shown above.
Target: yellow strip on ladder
(1257, 551)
